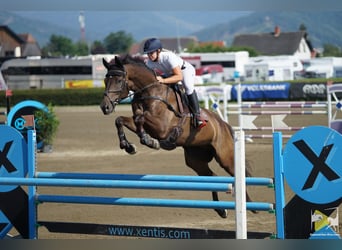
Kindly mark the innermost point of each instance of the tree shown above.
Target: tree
(302, 27)
(81, 49)
(212, 48)
(331, 50)
(59, 46)
(118, 42)
(98, 48)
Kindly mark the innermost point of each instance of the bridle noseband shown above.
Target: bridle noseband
(123, 85)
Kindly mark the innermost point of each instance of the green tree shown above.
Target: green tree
(252, 52)
(211, 48)
(81, 48)
(331, 50)
(118, 42)
(59, 46)
(302, 27)
(97, 48)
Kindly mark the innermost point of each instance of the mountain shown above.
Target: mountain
(98, 24)
(322, 27)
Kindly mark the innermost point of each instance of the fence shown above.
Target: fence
(158, 182)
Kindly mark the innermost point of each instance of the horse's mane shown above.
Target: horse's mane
(135, 60)
(129, 59)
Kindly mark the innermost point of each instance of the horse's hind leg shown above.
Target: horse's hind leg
(225, 158)
(198, 159)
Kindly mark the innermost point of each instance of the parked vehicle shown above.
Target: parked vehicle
(273, 68)
(324, 67)
(80, 72)
(212, 73)
(230, 61)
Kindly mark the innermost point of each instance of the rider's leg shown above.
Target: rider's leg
(194, 107)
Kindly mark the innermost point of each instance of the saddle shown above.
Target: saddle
(183, 101)
(184, 111)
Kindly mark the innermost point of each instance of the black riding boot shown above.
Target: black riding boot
(194, 107)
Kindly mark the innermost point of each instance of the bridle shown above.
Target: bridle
(122, 87)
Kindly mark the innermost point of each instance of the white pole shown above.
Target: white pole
(225, 102)
(239, 100)
(240, 185)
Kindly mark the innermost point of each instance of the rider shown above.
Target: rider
(172, 69)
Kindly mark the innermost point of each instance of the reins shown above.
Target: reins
(158, 98)
(137, 95)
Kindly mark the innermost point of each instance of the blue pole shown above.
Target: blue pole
(279, 183)
(31, 166)
(260, 181)
(161, 185)
(155, 202)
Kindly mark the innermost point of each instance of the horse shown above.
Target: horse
(159, 123)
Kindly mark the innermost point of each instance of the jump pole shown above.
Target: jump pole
(33, 181)
(240, 185)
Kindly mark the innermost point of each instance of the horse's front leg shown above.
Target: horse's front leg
(145, 138)
(128, 122)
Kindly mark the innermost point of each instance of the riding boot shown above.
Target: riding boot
(194, 107)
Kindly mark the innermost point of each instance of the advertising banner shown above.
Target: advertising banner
(262, 91)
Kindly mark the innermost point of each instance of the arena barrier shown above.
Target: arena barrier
(309, 214)
(23, 160)
(248, 111)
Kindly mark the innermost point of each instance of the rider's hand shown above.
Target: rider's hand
(160, 79)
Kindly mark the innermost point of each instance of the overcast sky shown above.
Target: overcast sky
(200, 5)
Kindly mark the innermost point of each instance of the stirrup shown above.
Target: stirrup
(199, 123)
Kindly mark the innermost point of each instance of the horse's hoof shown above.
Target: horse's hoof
(131, 149)
(223, 213)
(156, 144)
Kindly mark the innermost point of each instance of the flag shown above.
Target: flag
(29, 120)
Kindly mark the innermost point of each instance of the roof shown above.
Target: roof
(286, 43)
(12, 34)
(27, 37)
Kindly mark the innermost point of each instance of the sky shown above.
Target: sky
(159, 5)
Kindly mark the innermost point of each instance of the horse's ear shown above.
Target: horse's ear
(105, 63)
(118, 62)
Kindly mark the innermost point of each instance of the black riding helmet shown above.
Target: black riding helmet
(152, 44)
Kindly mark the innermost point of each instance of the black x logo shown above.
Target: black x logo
(319, 165)
(4, 160)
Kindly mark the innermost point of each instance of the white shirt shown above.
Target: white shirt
(167, 61)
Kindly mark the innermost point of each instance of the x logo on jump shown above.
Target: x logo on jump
(4, 161)
(319, 165)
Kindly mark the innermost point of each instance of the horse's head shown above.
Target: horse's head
(116, 85)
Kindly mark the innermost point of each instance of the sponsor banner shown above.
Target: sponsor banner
(262, 91)
(308, 91)
(76, 84)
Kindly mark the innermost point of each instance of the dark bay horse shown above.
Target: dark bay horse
(159, 123)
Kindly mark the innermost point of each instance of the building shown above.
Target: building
(17, 45)
(278, 43)
(30, 47)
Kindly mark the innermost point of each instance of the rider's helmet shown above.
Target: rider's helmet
(152, 44)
